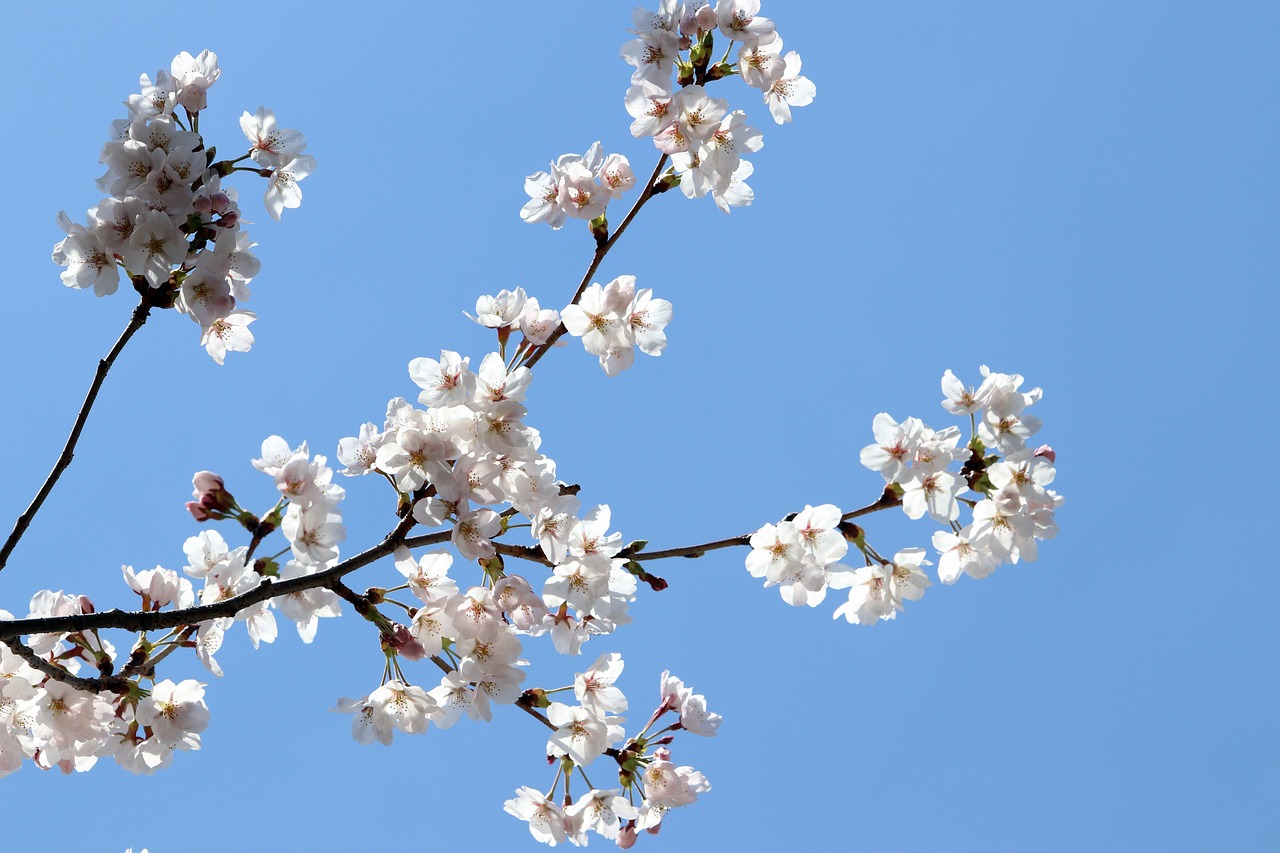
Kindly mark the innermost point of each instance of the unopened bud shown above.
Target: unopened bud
(720, 69)
(403, 643)
(534, 697)
(207, 481)
(86, 606)
(666, 182)
(1047, 452)
(851, 531)
(600, 229)
(211, 492)
(627, 835)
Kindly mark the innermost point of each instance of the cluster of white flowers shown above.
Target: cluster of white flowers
(1011, 510)
(800, 555)
(56, 725)
(703, 137)
(461, 460)
(615, 320)
(578, 186)
(588, 731)
(168, 222)
(668, 103)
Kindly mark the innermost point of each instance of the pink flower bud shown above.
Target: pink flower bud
(197, 511)
(211, 493)
(405, 644)
(627, 835)
(86, 606)
(229, 220)
(207, 481)
(1047, 452)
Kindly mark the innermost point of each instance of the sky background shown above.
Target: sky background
(1082, 193)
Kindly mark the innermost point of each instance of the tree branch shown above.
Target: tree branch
(532, 553)
(272, 588)
(113, 684)
(155, 620)
(139, 317)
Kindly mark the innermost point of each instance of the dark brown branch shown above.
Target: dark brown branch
(139, 317)
(532, 553)
(428, 539)
(601, 251)
(156, 620)
(887, 499)
(538, 716)
(111, 684)
(694, 550)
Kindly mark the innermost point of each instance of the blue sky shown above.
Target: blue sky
(1083, 194)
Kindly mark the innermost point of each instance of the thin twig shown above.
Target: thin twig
(886, 500)
(139, 317)
(601, 251)
(693, 550)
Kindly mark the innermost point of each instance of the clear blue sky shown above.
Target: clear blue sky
(1083, 193)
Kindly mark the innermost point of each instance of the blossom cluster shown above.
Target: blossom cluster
(461, 462)
(614, 320)
(168, 223)
(669, 103)
(589, 730)
(579, 186)
(55, 725)
(704, 138)
(1012, 508)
